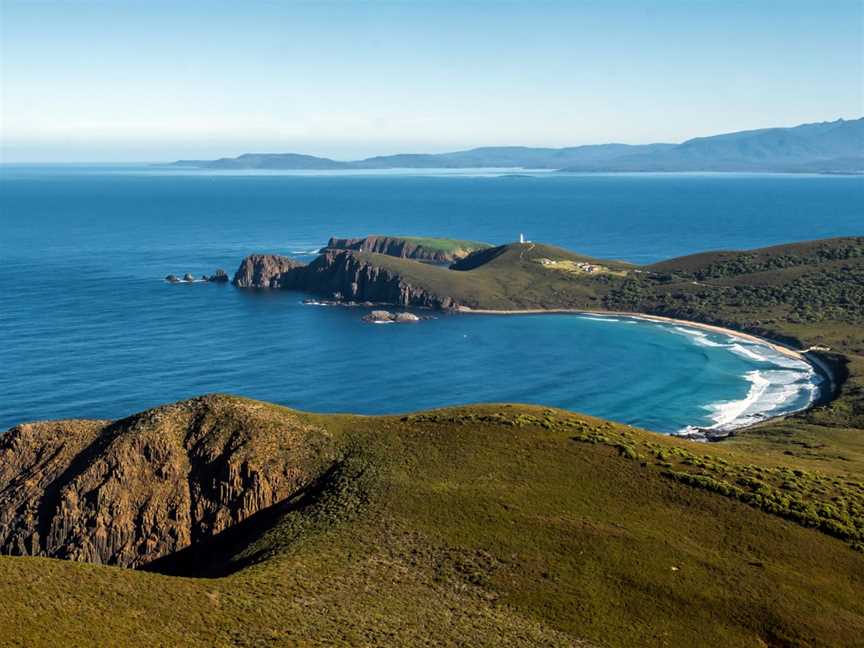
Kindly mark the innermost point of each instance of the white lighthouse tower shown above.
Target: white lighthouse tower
(521, 238)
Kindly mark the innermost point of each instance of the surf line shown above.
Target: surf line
(818, 364)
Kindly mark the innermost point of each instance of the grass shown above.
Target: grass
(483, 525)
(443, 244)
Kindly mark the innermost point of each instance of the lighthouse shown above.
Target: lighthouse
(521, 238)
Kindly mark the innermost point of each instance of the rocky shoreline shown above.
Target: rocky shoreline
(341, 276)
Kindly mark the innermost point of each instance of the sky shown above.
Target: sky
(153, 80)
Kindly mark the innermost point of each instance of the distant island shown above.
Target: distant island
(824, 147)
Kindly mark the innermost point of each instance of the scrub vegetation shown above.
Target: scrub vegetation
(483, 525)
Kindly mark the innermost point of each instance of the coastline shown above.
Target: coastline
(776, 346)
(819, 366)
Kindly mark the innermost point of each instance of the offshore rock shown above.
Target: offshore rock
(220, 276)
(379, 316)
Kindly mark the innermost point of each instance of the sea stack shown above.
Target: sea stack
(265, 271)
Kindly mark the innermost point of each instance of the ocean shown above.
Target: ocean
(90, 329)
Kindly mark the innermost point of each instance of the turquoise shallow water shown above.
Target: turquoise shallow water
(88, 327)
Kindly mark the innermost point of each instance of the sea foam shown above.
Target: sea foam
(780, 384)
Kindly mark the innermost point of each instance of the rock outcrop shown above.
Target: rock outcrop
(220, 276)
(357, 279)
(265, 271)
(383, 316)
(406, 248)
(341, 275)
(128, 492)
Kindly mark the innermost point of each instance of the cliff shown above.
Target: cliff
(265, 271)
(418, 248)
(342, 275)
(129, 492)
(352, 277)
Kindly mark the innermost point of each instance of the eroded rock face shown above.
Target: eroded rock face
(359, 280)
(341, 273)
(128, 492)
(265, 271)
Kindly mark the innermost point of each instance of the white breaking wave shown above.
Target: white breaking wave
(727, 412)
(771, 393)
(783, 386)
(697, 336)
(746, 351)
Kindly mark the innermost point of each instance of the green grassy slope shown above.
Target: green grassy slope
(487, 525)
(442, 244)
(509, 277)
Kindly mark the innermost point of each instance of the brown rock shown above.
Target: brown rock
(379, 316)
(266, 271)
(128, 492)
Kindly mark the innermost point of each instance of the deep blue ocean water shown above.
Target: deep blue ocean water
(88, 327)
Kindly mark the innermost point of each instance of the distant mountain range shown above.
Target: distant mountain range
(825, 147)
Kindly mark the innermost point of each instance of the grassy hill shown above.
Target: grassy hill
(506, 277)
(487, 525)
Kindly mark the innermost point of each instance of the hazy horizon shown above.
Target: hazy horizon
(89, 81)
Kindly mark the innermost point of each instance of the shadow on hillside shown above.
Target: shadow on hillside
(223, 554)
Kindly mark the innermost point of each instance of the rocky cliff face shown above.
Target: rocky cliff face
(265, 271)
(338, 275)
(128, 492)
(397, 247)
(356, 279)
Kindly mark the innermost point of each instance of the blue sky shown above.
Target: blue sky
(85, 80)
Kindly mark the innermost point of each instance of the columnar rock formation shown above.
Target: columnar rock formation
(265, 271)
(338, 274)
(128, 492)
